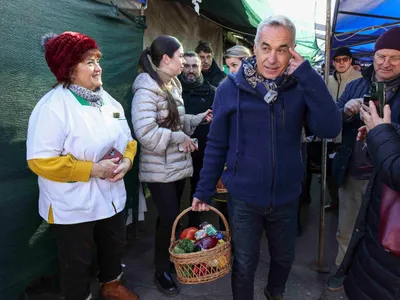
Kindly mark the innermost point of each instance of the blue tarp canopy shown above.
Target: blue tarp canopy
(357, 24)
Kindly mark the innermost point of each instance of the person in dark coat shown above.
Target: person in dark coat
(198, 96)
(372, 272)
(352, 167)
(209, 68)
(386, 67)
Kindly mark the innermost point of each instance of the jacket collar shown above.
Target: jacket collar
(343, 76)
(368, 73)
(212, 70)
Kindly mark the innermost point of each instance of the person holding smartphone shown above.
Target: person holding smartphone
(80, 145)
(353, 165)
(162, 127)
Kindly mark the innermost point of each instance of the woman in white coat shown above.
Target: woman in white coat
(80, 145)
(163, 130)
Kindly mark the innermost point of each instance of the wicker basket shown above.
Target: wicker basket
(203, 266)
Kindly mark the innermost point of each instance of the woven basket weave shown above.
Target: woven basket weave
(203, 266)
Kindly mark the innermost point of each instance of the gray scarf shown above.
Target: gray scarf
(92, 97)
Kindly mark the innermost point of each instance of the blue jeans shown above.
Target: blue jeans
(247, 223)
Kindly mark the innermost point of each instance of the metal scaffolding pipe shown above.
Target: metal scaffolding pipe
(319, 264)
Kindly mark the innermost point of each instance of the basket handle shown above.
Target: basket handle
(189, 209)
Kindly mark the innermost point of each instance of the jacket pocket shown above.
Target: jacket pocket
(248, 179)
(74, 196)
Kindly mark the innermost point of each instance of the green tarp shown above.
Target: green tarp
(27, 249)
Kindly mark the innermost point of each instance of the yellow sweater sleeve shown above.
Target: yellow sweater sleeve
(61, 168)
(130, 152)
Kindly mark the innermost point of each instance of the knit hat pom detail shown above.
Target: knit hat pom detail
(45, 38)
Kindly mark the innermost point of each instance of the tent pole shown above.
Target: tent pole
(319, 266)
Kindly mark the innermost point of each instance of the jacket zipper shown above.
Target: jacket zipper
(109, 186)
(283, 115)
(338, 90)
(273, 154)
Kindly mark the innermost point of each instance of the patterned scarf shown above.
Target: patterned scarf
(255, 79)
(92, 97)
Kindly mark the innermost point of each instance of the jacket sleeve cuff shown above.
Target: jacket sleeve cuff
(302, 71)
(130, 151)
(177, 137)
(196, 119)
(203, 197)
(81, 171)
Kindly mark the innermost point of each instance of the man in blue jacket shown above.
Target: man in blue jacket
(256, 130)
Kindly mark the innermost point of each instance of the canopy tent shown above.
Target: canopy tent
(243, 16)
(357, 24)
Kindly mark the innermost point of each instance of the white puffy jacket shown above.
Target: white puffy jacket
(160, 158)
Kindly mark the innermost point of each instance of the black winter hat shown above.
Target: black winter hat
(342, 51)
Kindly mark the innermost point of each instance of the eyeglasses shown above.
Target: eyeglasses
(343, 59)
(393, 60)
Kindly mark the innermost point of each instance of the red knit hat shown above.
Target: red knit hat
(64, 51)
(389, 40)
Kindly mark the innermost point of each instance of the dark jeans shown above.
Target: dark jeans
(166, 197)
(76, 246)
(247, 224)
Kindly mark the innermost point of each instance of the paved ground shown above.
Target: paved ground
(303, 282)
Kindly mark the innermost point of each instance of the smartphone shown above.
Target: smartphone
(378, 95)
(113, 153)
(195, 141)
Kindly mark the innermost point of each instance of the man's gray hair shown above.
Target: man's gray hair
(276, 21)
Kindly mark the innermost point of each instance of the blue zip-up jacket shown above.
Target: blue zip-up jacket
(260, 142)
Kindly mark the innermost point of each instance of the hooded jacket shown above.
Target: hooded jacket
(261, 142)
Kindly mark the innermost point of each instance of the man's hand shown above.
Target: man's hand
(372, 119)
(353, 107)
(198, 205)
(295, 61)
